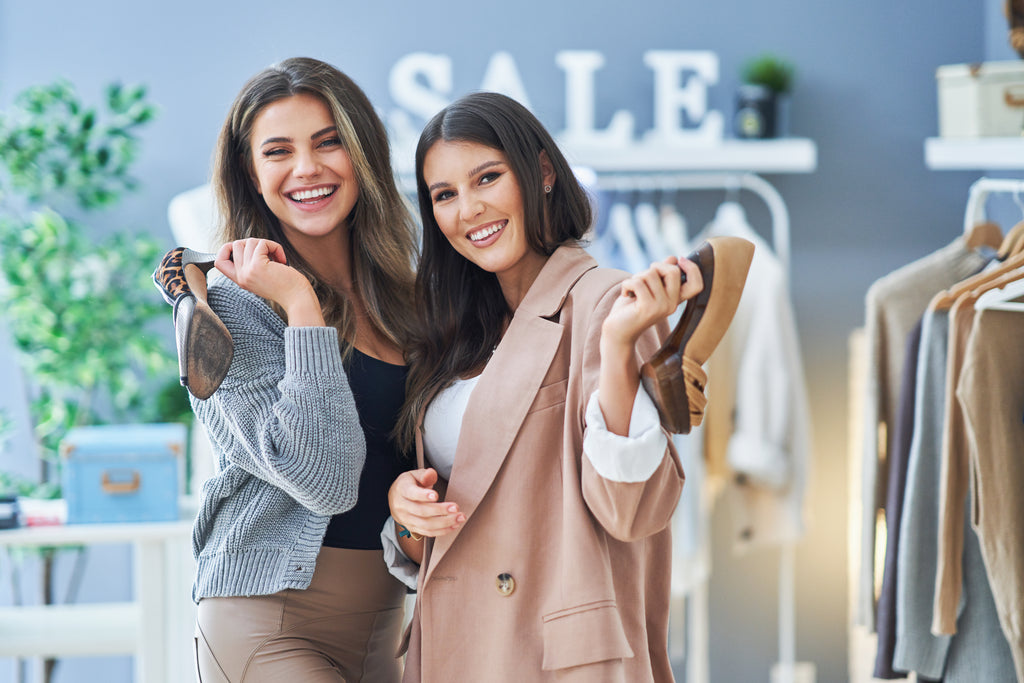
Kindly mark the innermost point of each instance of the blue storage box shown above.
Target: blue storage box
(123, 473)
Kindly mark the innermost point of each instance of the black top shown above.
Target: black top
(379, 390)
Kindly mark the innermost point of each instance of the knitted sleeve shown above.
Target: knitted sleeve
(285, 412)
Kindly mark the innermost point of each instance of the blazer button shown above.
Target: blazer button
(506, 584)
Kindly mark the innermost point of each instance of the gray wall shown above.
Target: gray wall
(865, 94)
(997, 48)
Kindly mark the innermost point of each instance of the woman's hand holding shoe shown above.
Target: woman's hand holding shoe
(674, 377)
(644, 299)
(648, 297)
(260, 266)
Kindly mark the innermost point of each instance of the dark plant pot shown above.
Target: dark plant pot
(8, 512)
(756, 112)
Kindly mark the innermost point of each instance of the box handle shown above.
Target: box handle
(1013, 100)
(121, 487)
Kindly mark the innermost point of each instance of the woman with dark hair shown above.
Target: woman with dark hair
(302, 396)
(536, 529)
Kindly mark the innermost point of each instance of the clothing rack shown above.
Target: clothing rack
(979, 193)
(734, 182)
(864, 648)
(731, 182)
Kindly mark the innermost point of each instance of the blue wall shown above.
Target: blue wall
(865, 93)
(865, 90)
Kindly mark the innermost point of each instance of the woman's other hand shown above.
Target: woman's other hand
(260, 266)
(414, 504)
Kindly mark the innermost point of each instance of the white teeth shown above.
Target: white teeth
(486, 232)
(303, 195)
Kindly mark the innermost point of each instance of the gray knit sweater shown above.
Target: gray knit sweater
(289, 449)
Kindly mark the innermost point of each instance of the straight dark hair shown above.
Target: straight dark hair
(382, 231)
(461, 311)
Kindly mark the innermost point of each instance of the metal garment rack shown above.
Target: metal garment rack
(671, 182)
(731, 182)
(979, 193)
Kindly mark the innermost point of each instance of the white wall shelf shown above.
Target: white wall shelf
(778, 155)
(974, 154)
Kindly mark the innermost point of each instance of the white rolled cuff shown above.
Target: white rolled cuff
(399, 564)
(625, 459)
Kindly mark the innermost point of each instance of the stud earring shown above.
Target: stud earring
(547, 189)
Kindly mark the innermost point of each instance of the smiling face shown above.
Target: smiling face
(478, 205)
(301, 168)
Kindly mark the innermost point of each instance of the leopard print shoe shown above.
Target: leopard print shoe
(205, 347)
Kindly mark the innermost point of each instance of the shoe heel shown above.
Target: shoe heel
(173, 280)
(667, 388)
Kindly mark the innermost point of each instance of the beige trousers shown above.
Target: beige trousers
(344, 628)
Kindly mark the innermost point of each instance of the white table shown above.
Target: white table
(155, 626)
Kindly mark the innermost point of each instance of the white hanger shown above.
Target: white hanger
(646, 217)
(620, 223)
(673, 230)
(731, 212)
(1002, 298)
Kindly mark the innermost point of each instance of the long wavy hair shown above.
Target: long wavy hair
(382, 231)
(460, 309)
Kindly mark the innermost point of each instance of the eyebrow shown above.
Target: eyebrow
(314, 136)
(473, 172)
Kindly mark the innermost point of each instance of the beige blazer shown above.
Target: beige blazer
(558, 573)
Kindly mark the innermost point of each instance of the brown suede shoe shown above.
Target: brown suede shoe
(205, 347)
(724, 263)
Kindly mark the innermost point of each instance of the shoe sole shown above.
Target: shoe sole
(209, 357)
(205, 347)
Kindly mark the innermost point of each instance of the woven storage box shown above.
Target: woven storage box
(981, 100)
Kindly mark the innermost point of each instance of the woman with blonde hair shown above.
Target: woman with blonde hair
(296, 367)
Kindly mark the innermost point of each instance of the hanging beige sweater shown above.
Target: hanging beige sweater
(953, 477)
(894, 304)
(991, 393)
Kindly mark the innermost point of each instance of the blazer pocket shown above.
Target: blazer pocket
(549, 395)
(585, 634)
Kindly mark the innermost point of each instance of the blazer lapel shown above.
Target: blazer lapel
(507, 387)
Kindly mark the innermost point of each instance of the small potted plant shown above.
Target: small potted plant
(765, 81)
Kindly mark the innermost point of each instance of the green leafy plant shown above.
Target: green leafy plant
(54, 146)
(770, 71)
(11, 484)
(79, 306)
